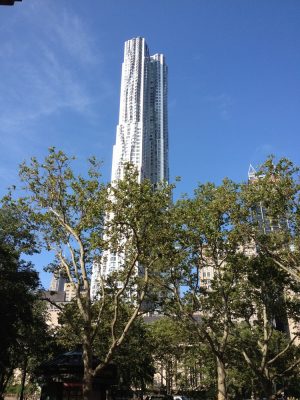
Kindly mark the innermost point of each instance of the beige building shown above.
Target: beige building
(56, 300)
(70, 291)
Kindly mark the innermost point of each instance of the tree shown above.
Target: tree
(209, 233)
(220, 228)
(276, 192)
(169, 343)
(133, 357)
(262, 338)
(17, 280)
(271, 274)
(21, 318)
(181, 361)
(83, 217)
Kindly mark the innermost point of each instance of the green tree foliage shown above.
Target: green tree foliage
(78, 219)
(169, 344)
(182, 363)
(133, 357)
(22, 320)
(255, 272)
(165, 248)
(16, 230)
(271, 275)
(276, 191)
(263, 338)
(17, 281)
(209, 234)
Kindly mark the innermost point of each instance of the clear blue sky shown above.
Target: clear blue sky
(234, 81)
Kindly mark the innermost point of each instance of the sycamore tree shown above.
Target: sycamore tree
(271, 277)
(247, 236)
(78, 218)
(208, 234)
(135, 358)
(272, 197)
(261, 333)
(169, 344)
(136, 351)
(182, 362)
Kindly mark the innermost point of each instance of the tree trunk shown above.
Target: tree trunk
(87, 383)
(221, 374)
(4, 379)
(23, 380)
(268, 390)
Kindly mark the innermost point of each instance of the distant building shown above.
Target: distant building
(142, 131)
(206, 272)
(70, 292)
(267, 225)
(52, 299)
(57, 282)
(206, 276)
(59, 294)
(260, 213)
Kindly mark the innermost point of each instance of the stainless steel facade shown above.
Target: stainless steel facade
(142, 131)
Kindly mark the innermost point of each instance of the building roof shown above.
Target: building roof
(69, 367)
(56, 297)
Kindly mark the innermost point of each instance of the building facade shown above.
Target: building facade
(260, 214)
(57, 282)
(61, 293)
(142, 131)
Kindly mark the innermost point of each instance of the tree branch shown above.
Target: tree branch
(282, 352)
(290, 368)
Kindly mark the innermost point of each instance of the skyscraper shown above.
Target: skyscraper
(142, 131)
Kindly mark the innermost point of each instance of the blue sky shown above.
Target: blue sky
(234, 81)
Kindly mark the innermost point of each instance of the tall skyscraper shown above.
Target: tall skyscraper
(142, 131)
